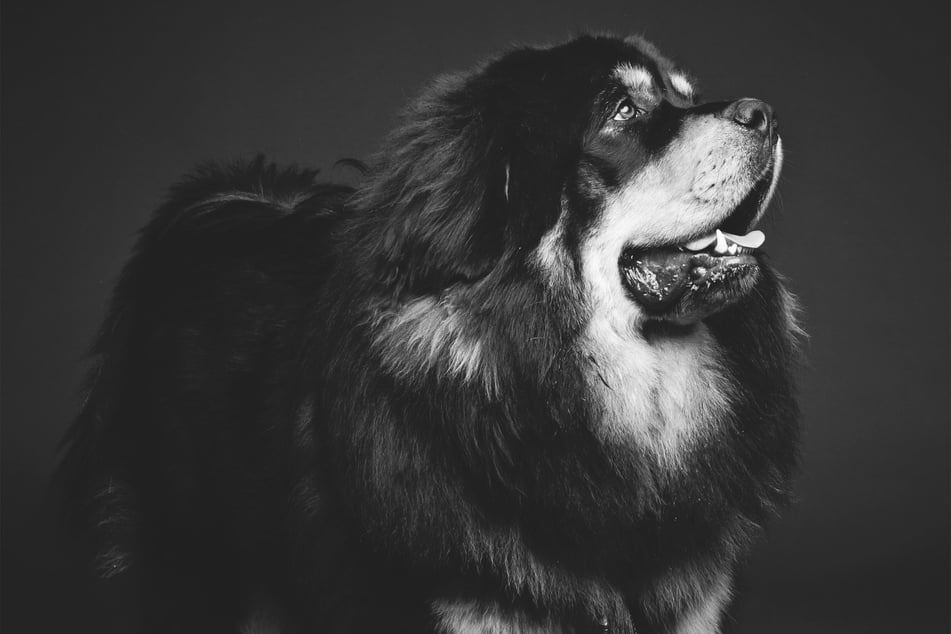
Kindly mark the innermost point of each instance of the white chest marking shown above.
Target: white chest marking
(471, 617)
(665, 392)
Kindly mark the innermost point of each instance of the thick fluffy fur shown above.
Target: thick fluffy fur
(424, 404)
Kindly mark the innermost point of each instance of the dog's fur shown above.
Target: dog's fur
(427, 403)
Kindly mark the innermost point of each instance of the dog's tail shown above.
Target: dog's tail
(93, 475)
(104, 473)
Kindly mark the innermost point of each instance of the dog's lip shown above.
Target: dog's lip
(659, 278)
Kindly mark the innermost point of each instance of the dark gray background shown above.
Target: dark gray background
(105, 103)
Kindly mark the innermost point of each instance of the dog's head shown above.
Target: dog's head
(595, 157)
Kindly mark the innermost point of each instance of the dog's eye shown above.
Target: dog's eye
(627, 109)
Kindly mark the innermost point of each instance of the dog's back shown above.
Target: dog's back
(172, 461)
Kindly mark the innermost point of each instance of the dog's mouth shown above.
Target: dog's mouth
(710, 270)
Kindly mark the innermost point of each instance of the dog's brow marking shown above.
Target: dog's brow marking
(634, 77)
(681, 85)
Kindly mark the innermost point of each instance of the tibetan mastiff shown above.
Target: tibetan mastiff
(532, 373)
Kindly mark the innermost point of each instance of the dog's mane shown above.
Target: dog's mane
(483, 372)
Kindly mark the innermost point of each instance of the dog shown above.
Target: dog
(531, 373)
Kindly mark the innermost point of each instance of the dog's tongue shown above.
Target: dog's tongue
(658, 277)
(721, 241)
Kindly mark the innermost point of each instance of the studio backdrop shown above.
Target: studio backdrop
(105, 103)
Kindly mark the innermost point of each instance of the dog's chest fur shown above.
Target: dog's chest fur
(666, 391)
(659, 391)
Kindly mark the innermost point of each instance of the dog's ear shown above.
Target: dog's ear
(448, 193)
(437, 189)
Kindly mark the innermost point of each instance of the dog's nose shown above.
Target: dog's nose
(753, 114)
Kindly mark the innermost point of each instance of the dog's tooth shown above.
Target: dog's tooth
(732, 249)
(720, 247)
